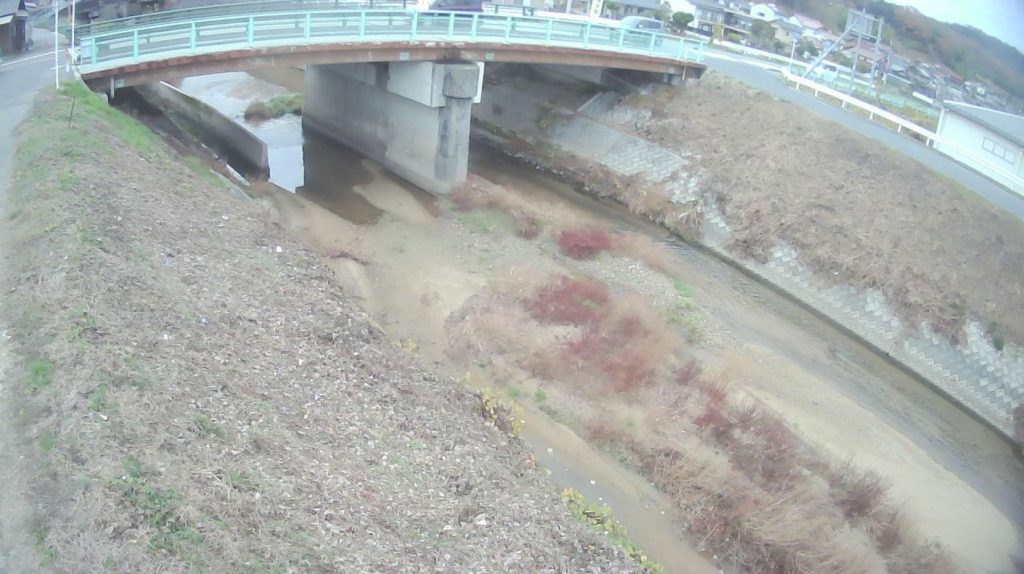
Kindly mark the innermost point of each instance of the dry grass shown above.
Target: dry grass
(856, 212)
(196, 394)
(750, 489)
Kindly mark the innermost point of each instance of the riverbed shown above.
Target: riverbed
(834, 391)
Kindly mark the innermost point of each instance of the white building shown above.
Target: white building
(989, 141)
(767, 12)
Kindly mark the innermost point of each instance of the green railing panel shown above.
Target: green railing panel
(154, 41)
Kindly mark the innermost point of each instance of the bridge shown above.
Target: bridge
(364, 66)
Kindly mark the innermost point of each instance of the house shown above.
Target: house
(786, 31)
(646, 8)
(766, 12)
(722, 17)
(989, 141)
(15, 32)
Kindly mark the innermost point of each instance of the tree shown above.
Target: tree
(762, 33)
(807, 49)
(681, 20)
(665, 12)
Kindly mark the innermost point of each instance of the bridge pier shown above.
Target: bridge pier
(411, 117)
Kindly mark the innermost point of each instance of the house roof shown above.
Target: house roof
(711, 4)
(1007, 125)
(808, 22)
(786, 25)
(645, 4)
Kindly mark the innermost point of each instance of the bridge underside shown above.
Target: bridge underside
(195, 65)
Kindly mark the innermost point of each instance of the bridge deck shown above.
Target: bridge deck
(134, 53)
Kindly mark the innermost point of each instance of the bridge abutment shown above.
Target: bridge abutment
(411, 117)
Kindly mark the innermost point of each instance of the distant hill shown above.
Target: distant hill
(969, 52)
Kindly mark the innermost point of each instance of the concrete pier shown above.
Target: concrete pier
(411, 117)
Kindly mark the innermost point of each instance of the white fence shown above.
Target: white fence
(968, 157)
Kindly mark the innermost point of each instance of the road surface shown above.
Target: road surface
(21, 77)
(765, 76)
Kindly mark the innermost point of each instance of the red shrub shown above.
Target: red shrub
(858, 492)
(714, 389)
(714, 422)
(688, 373)
(584, 243)
(624, 348)
(568, 300)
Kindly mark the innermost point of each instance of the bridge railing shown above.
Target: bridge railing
(258, 6)
(222, 33)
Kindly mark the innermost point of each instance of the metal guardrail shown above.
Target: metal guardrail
(129, 45)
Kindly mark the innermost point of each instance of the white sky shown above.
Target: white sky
(1003, 19)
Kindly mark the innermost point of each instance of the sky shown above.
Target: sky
(1003, 19)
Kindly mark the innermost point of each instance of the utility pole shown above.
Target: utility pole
(56, 44)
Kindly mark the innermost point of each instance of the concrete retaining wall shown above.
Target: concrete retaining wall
(238, 145)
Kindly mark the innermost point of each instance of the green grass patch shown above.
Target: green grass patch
(158, 509)
(684, 290)
(202, 170)
(206, 428)
(99, 400)
(275, 107)
(40, 374)
(48, 441)
(48, 554)
(599, 517)
(540, 396)
(89, 105)
(488, 221)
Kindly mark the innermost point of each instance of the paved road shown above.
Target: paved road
(21, 78)
(765, 76)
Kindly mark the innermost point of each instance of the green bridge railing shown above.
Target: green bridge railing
(153, 42)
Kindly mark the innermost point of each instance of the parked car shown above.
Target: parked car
(641, 23)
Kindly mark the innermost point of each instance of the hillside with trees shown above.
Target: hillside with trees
(969, 52)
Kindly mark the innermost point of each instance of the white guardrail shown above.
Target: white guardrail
(952, 149)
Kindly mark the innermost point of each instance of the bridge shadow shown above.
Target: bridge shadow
(332, 173)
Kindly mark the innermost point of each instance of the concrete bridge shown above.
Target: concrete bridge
(397, 84)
